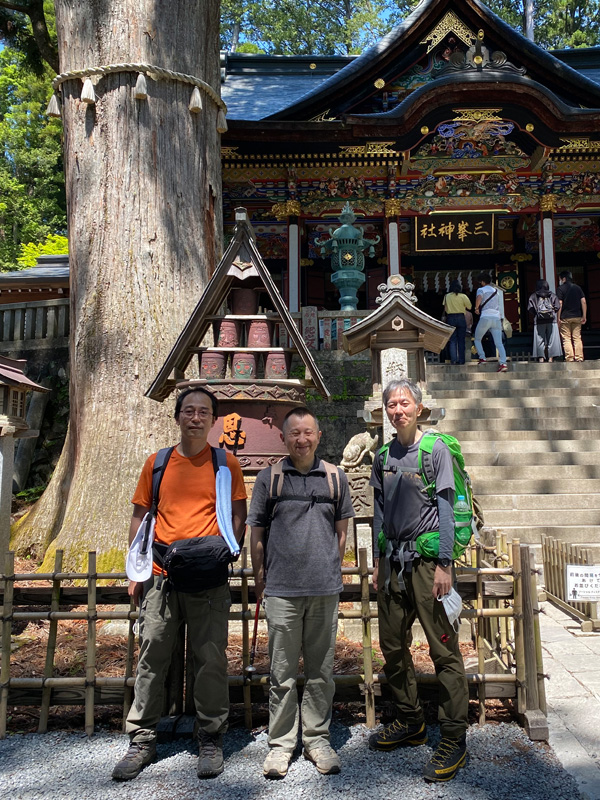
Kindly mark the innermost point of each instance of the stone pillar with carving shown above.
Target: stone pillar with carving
(291, 210)
(547, 243)
(392, 210)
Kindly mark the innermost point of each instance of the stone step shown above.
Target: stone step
(456, 425)
(561, 415)
(542, 517)
(584, 535)
(489, 448)
(531, 368)
(472, 400)
(507, 459)
(536, 472)
(504, 434)
(543, 485)
(513, 389)
(533, 502)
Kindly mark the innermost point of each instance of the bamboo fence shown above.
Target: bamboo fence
(555, 557)
(500, 601)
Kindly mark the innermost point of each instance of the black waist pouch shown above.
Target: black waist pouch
(193, 565)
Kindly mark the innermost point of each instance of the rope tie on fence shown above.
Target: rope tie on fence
(88, 94)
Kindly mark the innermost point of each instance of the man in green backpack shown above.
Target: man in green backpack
(410, 585)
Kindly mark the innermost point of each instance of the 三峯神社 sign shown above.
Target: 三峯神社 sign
(443, 232)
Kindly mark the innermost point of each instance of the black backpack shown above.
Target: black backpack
(545, 310)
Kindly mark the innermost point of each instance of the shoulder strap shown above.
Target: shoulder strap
(485, 302)
(333, 479)
(158, 470)
(276, 480)
(426, 445)
(384, 452)
(219, 458)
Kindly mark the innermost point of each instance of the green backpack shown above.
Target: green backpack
(467, 519)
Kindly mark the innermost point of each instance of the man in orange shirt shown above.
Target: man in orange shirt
(186, 509)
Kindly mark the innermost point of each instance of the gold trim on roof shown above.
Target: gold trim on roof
(580, 143)
(230, 152)
(477, 115)
(289, 208)
(322, 117)
(369, 149)
(548, 202)
(450, 23)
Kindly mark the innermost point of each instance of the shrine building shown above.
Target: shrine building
(459, 145)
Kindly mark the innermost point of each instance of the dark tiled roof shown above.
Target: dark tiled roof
(257, 86)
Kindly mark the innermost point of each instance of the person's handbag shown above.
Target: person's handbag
(193, 565)
(507, 328)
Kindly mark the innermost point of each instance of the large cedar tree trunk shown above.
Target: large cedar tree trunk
(143, 192)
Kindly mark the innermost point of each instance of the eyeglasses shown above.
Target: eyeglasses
(190, 413)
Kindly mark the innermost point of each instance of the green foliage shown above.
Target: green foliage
(31, 495)
(32, 194)
(55, 245)
(307, 27)
(558, 24)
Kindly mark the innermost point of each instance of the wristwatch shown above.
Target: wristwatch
(444, 562)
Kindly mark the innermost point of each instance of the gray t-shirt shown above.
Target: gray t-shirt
(302, 556)
(407, 512)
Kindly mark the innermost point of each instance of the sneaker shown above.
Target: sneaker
(502, 368)
(449, 757)
(325, 759)
(482, 361)
(276, 763)
(398, 734)
(210, 755)
(133, 762)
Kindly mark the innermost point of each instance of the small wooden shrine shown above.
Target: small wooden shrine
(397, 333)
(14, 385)
(239, 343)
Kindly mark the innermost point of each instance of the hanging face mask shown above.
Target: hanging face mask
(452, 603)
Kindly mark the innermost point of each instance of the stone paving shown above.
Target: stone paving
(572, 662)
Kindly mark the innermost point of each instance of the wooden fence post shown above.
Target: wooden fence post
(247, 690)
(7, 611)
(90, 667)
(366, 637)
(51, 646)
(518, 624)
(535, 721)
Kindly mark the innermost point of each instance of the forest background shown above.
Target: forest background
(32, 191)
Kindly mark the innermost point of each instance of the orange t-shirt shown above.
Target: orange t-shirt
(187, 495)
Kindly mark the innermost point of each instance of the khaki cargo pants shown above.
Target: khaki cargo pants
(161, 616)
(397, 612)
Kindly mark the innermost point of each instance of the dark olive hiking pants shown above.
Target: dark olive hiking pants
(397, 612)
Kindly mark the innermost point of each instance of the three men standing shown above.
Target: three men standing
(186, 509)
(299, 517)
(410, 586)
(572, 315)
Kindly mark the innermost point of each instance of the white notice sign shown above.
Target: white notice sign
(583, 583)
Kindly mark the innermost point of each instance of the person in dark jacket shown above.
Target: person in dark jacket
(545, 306)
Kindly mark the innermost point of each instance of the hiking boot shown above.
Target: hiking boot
(449, 757)
(325, 759)
(276, 763)
(502, 368)
(398, 734)
(139, 755)
(210, 754)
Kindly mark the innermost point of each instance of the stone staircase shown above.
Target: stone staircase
(531, 440)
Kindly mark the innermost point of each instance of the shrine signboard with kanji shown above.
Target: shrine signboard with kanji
(583, 583)
(444, 232)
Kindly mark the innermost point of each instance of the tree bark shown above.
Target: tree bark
(143, 180)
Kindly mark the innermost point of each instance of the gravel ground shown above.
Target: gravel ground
(502, 765)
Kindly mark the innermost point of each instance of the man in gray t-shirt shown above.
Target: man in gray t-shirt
(298, 542)
(410, 585)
